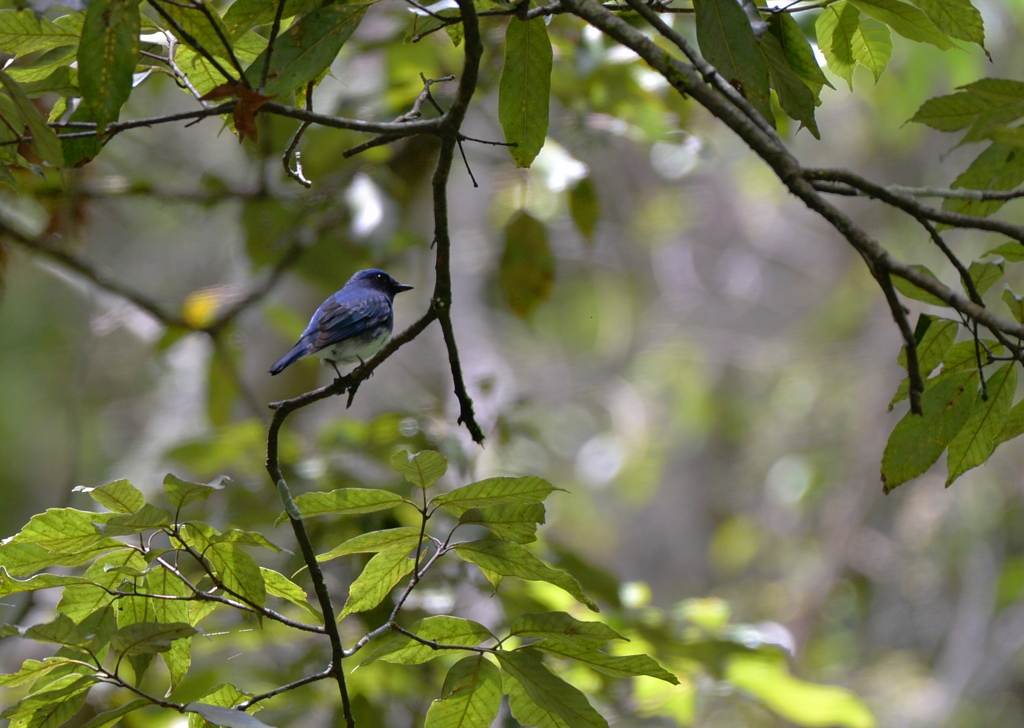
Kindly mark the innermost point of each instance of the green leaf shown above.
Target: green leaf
(912, 291)
(423, 469)
(243, 15)
(564, 627)
(956, 18)
(932, 347)
(44, 140)
(182, 492)
(120, 496)
(179, 657)
(224, 716)
(107, 56)
(795, 97)
(906, 20)
(279, 585)
(835, 28)
(61, 631)
(765, 677)
(511, 559)
(1015, 303)
(964, 355)
(202, 27)
(109, 717)
(145, 519)
(63, 531)
(346, 502)
(494, 492)
(918, 440)
(22, 559)
(401, 649)
(538, 697)
(143, 637)
(79, 601)
(614, 665)
(307, 48)
(525, 88)
(22, 31)
(985, 273)
(9, 585)
(238, 572)
(470, 697)
(245, 538)
(998, 167)
(982, 106)
(1012, 251)
(53, 707)
(509, 522)
(872, 46)
(224, 695)
(979, 436)
(527, 269)
(585, 208)
(405, 537)
(797, 51)
(380, 575)
(727, 41)
(32, 670)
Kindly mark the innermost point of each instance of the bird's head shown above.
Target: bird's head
(377, 280)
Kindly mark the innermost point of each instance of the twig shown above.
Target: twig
(195, 44)
(226, 42)
(284, 688)
(274, 30)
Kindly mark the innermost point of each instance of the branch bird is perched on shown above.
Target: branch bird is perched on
(350, 326)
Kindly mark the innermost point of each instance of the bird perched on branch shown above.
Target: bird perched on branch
(350, 326)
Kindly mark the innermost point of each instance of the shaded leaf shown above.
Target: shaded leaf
(1012, 251)
(985, 273)
(509, 522)
(584, 207)
(906, 20)
(238, 572)
(614, 665)
(143, 637)
(795, 97)
(527, 269)
(227, 717)
(917, 441)
(1015, 303)
(107, 56)
(998, 167)
(109, 717)
(182, 492)
(979, 436)
(727, 41)
(913, 291)
(44, 140)
(956, 18)
(525, 88)
(564, 627)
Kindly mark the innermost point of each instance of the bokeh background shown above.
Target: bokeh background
(709, 379)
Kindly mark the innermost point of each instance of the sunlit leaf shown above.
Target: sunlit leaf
(510, 522)
(142, 637)
(767, 678)
(238, 572)
(613, 665)
(470, 697)
(380, 575)
(23, 31)
(120, 496)
(872, 46)
(347, 501)
(441, 630)
(422, 469)
(835, 28)
(405, 537)
(279, 585)
(495, 492)
(538, 697)
(182, 492)
(511, 559)
(562, 626)
(906, 20)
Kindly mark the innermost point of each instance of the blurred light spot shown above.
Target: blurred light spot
(409, 427)
(364, 200)
(635, 594)
(789, 479)
(311, 468)
(648, 80)
(599, 460)
(558, 168)
(766, 633)
(675, 161)
(201, 307)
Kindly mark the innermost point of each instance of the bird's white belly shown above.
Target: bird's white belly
(354, 349)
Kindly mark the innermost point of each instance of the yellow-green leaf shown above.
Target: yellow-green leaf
(525, 88)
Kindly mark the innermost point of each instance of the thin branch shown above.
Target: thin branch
(225, 41)
(899, 315)
(284, 688)
(274, 30)
(191, 40)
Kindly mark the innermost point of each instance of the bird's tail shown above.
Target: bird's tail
(294, 354)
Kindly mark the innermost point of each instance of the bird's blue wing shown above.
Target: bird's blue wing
(343, 317)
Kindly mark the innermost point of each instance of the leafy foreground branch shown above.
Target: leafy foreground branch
(148, 583)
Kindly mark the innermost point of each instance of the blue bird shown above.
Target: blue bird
(350, 326)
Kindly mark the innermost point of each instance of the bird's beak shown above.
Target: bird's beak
(403, 287)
